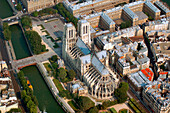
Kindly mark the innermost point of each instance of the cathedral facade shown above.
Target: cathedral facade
(91, 66)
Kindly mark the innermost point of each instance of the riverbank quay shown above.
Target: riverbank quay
(53, 89)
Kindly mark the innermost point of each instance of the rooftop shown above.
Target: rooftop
(161, 6)
(107, 19)
(151, 6)
(99, 66)
(130, 12)
(82, 46)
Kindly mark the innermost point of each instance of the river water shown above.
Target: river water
(19, 43)
(41, 91)
(5, 9)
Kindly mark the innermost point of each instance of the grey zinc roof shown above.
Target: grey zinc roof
(82, 46)
(99, 66)
(151, 6)
(107, 19)
(130, 12)
(160, 5)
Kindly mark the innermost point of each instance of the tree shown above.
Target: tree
(54, 58)
(5, 25)
(35, 14)
(34, 99)
(93, 110)
(61, 73)
(124, 86)
(26, 21)
(35, 42)
(23, 94)
(121, 92)
(19, 7)
(71, 74)
(14, 110)
(30, 103)
(85, 103)
(55, 65)
(27, 99)
(33, 109)
(7, 34)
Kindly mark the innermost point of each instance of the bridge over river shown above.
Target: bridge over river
(21, 63)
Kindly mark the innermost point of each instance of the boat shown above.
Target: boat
(29, 84)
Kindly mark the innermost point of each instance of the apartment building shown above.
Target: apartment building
(8, 99)
(164, 10)
(156, 96)
(33, 5)
(162, 24)
(133, 12)
(139, 79)
(90, 6)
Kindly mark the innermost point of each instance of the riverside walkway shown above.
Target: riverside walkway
(54, 89)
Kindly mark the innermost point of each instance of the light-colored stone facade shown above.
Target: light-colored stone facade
(91, 67)
(33, 5)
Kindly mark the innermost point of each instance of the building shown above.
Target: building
(33, 5)
(162, 24)
(133, 12)
(91, 66)
(77, 87)
(8, 99)
(3, 65)
(90, 6)
(156, 96)
(139, 79)
(164, 10)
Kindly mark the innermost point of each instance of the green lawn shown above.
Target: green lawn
(123, 111)
(73, 105)
(48, 67)
(58, 84)
(113, 110)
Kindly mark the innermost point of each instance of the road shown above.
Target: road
(4, 56)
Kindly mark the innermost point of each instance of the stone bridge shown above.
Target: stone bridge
(32, 60)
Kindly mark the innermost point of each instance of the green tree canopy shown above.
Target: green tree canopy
(30, 103)
(62, 73)
(26, 21)
(71, 74)
(5, 25)
(23, 94)
(93, 110)
(19, 7)
(35, 14)
(7, 34)
(27, 98)
(34, 41)
(54, 58)
(85, 103)
(121, 92)
(14, 110)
